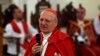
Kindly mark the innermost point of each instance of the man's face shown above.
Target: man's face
(18, 14)
(81, 14)
(47, 22)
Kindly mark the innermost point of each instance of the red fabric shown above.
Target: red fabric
(87, 50)
(17, 30)
(95, 49)
(15, 27)
(58, 42)
(51, 10)
(84, 50)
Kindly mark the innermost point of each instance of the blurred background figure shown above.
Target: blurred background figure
(17, 30)
(96, 24)
(83, 34)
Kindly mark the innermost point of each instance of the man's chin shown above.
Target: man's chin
(44, 31)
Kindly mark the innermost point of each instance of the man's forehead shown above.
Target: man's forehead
(81, 10)
(47, 14)
(17, 10)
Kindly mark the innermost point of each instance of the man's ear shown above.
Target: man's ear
(56, 22)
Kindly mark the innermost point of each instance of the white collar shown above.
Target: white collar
(80, 21)
(46, 36)
(16, 21)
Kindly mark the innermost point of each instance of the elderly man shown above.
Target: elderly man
(53, 42)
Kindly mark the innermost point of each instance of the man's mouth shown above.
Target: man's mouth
(43, 27)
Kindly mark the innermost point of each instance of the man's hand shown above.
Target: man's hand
(36, 49)
(28, 37)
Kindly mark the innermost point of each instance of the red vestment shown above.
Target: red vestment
(59, 43)
(17, 30)
(93, 48)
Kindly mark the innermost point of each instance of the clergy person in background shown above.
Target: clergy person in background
(17, 28)
(52, 41)
(83, 34)
(96, 24)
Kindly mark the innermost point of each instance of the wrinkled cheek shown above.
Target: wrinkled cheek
(50, 28)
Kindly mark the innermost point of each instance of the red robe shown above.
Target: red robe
(92, 49)
(58, 43)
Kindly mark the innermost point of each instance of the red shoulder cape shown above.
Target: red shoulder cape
(58, 42)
